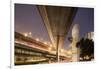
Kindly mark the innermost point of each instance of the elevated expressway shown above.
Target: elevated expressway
(57, 21)
(31, 51)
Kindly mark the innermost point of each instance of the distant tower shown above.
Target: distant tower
(90, 35)
(75, 39)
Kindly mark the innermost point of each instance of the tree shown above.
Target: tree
(86, 48)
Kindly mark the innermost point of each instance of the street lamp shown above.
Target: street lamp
(25, 34)
(62, 50)
(81, 58)
(69, 52)
(87, 57)
(45, 43)
(37, 39)
(49, 49)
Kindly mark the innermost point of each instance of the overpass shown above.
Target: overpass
(30, 51)
(57, 20)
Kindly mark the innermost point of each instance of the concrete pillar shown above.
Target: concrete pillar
(60, 42)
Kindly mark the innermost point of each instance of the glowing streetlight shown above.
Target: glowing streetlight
(50, 45)
(28, 34)
(69, 52)
(45, 43)
(62, 50)
(49, 48)
(25, 34)
(87, 57)
(37, 39)
(81, 58)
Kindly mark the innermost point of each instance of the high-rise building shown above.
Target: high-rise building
(75, 39)
(90, 35)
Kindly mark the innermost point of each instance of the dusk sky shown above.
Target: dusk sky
(28, 19)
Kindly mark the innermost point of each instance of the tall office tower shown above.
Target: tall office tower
(75, 39)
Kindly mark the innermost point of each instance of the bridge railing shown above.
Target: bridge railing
(29, 44)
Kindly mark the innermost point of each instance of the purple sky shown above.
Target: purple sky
(27, 19)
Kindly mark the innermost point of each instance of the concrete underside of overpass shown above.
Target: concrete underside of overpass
(57, 21)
